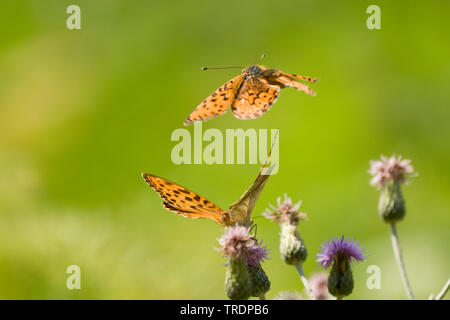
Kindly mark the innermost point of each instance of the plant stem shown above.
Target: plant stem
(305, 281)
(399, 258)
(444, 290)
(262, 296)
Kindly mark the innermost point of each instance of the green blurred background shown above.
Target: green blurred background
(84, 112)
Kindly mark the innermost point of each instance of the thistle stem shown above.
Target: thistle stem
(399, 258)
(305, 281)
(444, 290)
(262, 296)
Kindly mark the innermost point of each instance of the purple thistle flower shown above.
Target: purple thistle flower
(387, 169)
(340, 249)
(237, 243)
(234, 241)
(256, 253)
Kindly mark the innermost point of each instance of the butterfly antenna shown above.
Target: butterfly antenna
(275, 140)
(206, 68)
(260, 58)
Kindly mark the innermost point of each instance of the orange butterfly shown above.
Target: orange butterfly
(250, 94)
(191, 205)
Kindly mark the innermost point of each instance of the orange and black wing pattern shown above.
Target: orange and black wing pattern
(217, 103)
(184, 202)
(254, 99)
(283, 79)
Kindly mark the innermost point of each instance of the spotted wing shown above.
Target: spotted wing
(284, 79)
(254, 99)
(217, 103)
(298, 77)
(183, 201)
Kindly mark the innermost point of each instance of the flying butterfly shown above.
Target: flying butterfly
(250, 94)
(189, 204)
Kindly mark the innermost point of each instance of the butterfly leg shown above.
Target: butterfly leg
(254, 229)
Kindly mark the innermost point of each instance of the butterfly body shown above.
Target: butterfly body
(249, 95)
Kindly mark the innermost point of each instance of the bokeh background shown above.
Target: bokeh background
(84, 112)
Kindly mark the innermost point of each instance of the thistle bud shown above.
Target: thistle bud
(259, 279)
(238, 285)
(292, 248)
(340, 280)
(244, 276)
(387, 175)
(391, 206)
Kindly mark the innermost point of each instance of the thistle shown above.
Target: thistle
(292, 247)
(340, 253)
(244, 276)
(388, 175)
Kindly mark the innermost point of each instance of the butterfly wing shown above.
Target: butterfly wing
(240, 212)
(217, 103)
(298, 77)
(254, 99)
(182, 201)
(284, 79)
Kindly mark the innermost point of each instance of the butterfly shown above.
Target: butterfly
(250, 94)
(189, 204)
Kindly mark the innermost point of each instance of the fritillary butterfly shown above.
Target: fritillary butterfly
(250, 94)
(189, 204)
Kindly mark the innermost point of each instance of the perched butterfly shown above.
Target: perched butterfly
(192, 205)
(250, 94)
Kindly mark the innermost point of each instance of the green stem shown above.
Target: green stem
(399, 258)
(444, 290)
(305, 281)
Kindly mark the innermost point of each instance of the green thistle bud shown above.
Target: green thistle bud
(391, 206)
(260, 281)
(387, 175)
(244, 275)
(238, 285)
(292, 248)
(340, 280)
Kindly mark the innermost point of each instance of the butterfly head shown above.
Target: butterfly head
(252, 71)
(225, 218)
